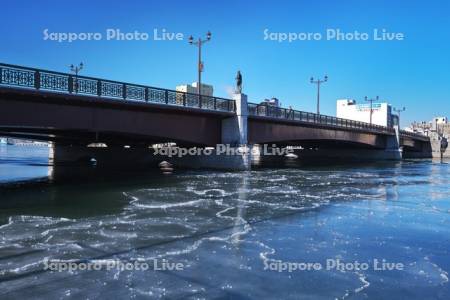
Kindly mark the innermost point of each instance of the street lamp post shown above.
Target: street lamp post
(371, 106)
(76, 70)
(399, 111)
(318, 82)
(199, 44)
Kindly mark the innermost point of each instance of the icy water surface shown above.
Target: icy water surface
(230, 231)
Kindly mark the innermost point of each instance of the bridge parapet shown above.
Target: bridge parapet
(44, 80)
(414, 135)
(307, 117)
(263, 110)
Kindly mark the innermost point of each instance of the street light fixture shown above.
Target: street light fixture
(76, 70)
(318, 82)
(199, 44)
(399, 111)
(371, 106)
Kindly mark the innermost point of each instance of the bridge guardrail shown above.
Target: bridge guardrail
(296, 115)
(413, 134)
(37, 79)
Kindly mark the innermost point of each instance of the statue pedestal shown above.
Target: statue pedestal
(234, 129)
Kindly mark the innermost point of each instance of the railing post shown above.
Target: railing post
(124, 91)
(1, 75)
(200, 101)
(70, 83)
(215, 103)
(166, 96)
(99, 88)
(184, 99)
(146, 94)
(37, 79)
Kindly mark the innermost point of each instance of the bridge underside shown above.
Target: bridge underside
(413, 148)
(81, 120)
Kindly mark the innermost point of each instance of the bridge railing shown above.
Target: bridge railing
(413, 134)
(37, 79)
(296, 115)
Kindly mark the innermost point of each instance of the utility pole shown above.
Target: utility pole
(371, 106)
(76, 70)
(318, 82)
(199, 44)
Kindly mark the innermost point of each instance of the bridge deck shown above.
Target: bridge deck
(44, 81)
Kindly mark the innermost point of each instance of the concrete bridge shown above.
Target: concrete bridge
(74, 111)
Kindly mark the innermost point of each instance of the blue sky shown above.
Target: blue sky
(413, 73)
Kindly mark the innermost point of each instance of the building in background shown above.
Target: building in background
(438, 129)
(271, 102)
(438, 123)
(206, 89)
(381, 112)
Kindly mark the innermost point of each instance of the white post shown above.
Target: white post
(242, 115)
(234, 133)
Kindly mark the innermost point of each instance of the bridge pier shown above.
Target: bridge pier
(111, 156)
(392, 150)
(234, 133)
(233, 136)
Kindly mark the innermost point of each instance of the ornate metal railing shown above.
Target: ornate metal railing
(30, 78)
(307, 117)
(414, 135)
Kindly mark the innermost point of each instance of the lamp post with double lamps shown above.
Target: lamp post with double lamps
(399, 111)
(76, 70)
(199, 42)
(371, 106)
(318, 82)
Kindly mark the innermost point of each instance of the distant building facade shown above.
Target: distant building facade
(381, 112)
(206, 89)
(438, 129)
(272, 102)
(438, 123)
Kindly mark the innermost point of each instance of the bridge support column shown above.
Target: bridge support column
(234, 129)
(392, 150)
(111, 156)
(234, 133)
(68, 154)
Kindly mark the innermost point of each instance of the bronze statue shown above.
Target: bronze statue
(239, 83)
